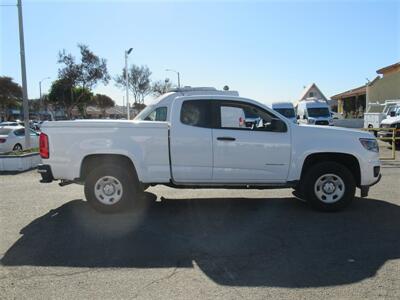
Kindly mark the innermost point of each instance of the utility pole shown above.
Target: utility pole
(179, 76)
(127, 52)
(23, 73)
(40, 96)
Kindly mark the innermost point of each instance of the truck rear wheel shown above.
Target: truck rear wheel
(328, 186)
(110, 188)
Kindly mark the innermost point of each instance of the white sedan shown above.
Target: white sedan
(12, 138)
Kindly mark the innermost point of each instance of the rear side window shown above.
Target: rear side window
(197, 113)
(159, 114)
(19, 132)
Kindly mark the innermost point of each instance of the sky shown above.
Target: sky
(266, 50)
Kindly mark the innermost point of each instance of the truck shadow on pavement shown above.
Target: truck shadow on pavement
(238, 242)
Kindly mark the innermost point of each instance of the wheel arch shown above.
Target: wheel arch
(92, 160)
(348, 160)
(17, 143)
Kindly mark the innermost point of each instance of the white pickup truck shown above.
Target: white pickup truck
(193, 138)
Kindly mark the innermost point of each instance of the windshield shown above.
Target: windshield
(5, 131)
(287, 112)
(318, 112)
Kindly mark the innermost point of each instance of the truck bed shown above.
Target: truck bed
(145, 143)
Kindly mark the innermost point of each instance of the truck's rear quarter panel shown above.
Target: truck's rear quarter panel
(145, 143)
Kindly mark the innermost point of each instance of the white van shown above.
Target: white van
(314, 112)
(286, 109)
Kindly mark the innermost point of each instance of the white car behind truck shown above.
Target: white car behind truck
(286, 109)
(314, 111)
(187, 140)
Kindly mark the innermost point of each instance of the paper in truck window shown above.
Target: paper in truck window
(232, 117)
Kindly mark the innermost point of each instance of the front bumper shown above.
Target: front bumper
(45, 172)
(365, 188)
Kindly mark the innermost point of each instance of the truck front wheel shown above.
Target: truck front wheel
(329, 186)
(110, 188)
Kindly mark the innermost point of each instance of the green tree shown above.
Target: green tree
(85, 97)
(139, 82)
(64, 95)
(77, 79)
(10, 96)
(103, 102)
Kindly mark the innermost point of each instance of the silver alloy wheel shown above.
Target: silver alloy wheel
(329, 188)
(108, 190)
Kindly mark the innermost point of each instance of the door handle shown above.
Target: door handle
(226, 138)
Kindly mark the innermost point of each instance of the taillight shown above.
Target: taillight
(44, 145)
(2, 141)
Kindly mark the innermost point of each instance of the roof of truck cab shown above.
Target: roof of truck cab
(167, 98)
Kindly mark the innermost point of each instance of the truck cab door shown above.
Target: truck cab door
(256, 148)
(191, 141)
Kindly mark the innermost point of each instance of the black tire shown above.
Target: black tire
(17, 147)
(129, 196)
(346, 187)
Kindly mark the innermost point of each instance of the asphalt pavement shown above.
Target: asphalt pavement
(191, 244)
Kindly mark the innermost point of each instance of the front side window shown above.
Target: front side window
(197, 113)
(159, 114)
(240, 115)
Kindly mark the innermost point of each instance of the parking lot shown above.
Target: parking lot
(198, 244)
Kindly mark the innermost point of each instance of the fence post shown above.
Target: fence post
(394, 143)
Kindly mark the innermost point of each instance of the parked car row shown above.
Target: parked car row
(35, 125)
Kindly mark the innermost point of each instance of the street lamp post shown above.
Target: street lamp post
(40, 95)
(23, 75)
(127, 52)
(179, 76)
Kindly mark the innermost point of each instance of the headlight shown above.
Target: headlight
(311, 121)
(370, 144)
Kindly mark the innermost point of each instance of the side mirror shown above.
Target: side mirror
(392, 113)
